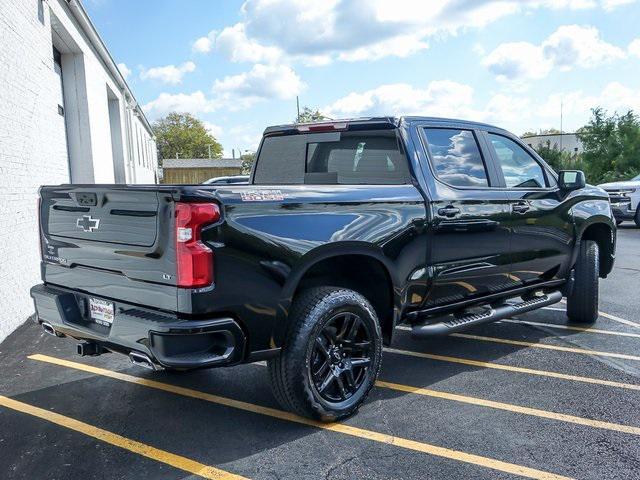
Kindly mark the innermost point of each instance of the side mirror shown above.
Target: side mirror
(569, 180)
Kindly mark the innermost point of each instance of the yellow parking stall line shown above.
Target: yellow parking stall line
(168, 458)
(572, 328)
(509, 368)
(616, 427)
(334, 427)
(624, 321)
(546, 346)
(603, 314)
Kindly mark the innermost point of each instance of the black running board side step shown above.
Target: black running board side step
(490, 315)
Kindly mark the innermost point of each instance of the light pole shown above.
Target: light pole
(209, 145)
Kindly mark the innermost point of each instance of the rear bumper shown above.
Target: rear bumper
(170, 341)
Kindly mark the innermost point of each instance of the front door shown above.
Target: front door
(541, 224)
(469, 240)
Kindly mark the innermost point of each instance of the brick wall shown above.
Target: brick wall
(32, 149)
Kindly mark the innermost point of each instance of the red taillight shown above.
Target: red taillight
(194, 258)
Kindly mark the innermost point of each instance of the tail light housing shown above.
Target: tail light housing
(194, 258)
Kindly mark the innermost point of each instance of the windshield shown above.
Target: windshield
(637, 177)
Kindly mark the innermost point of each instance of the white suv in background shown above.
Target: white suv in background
(625, 199)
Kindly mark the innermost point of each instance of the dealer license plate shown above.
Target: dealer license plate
(101, 311)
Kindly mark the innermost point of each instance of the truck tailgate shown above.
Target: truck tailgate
(107, 239)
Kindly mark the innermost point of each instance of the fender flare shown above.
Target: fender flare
(580, 230)
(324, 252)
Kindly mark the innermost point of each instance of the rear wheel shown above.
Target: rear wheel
(636, 218)
(582, 304)
(331, 357)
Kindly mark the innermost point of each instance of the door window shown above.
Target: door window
(519, 168)
(456, 158)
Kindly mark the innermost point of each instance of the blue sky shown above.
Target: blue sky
(239, 65)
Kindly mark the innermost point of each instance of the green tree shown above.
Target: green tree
(542, 131)
(309, 115)
(247, 162)
(611, 146)
(184, 135)
(558, 159)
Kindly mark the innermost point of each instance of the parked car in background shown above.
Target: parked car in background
(346, 229)
(226, 180)
(625, 199)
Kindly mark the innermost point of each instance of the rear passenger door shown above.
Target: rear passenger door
(540, 222)
(469, 240)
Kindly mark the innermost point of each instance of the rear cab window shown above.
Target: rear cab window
(455, 157)
(368, 157)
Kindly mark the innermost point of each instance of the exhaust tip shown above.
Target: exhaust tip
(143, 360)
(48, 328)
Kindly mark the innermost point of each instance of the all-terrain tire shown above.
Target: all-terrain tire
(291, 372)
(582, 303)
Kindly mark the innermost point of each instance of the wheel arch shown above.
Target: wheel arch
(359, 267)
(602, 232)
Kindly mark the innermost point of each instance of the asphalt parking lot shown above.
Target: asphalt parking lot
(531, 397)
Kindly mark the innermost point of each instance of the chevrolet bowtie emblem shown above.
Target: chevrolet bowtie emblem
(87, 223)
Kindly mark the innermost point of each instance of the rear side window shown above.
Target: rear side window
(373, 157)
(456, 158)
(519, 168)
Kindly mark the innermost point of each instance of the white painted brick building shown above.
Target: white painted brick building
(66, 115)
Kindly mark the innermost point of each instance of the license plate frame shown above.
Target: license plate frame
(101, 311)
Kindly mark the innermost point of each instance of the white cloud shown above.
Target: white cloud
(195, 103)
(634, 48)
(213, 129)
(233, 92)
(316, 33)
(203, 44)
(576, 45)
(517, 60)
(515, 112)
(170, 74)
(400, 46)
(124, 70)
(260, 83)
(233, 43)
(611, 4)
(438, 98)
(569, 46)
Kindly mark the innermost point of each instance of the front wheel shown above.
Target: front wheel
(582, 304)
(331, 357)
(636, 218)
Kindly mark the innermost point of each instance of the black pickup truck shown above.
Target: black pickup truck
(345, 230)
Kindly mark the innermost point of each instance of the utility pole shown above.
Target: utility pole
(561, 123)
(209, 145)
(298, 108)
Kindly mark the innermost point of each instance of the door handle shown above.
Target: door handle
(448, 211)
(520, 207)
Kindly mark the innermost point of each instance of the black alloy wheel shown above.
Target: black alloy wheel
(341, 357)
